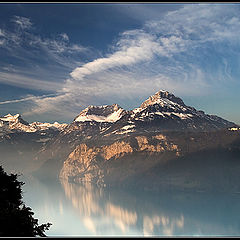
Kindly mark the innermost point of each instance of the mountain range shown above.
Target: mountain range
(110, 146)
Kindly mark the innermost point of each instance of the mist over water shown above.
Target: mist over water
(86, 210)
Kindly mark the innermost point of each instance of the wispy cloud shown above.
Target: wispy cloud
(180, 31)
(29, 98)
(22, 22)
(64, 36)
(64, 105)
(2, 33)
(131, 51)
(168, 53)
(24, 81)
(42, 57)
(2, 41)
(58, 45)
(32, 47)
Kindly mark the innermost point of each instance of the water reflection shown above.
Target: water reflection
(99, 215)
(80, 210)
(123, 211)
(154, 214)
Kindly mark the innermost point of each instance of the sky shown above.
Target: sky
(58, 58)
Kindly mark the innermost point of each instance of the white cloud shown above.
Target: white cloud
(2, 41)
(56, 45)
(140, 49)
(46, 60)
(30, 47)
(165, 54)
(63, 105)
(29, 98)
(28, 82)
(2, 33)
(64, 36)
(144, 12)
(199, 23)
(11, 39)
(146, 50)
(22, 22)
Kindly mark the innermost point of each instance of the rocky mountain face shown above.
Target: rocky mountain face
(131, 160)
(92, 163)
(110, 146)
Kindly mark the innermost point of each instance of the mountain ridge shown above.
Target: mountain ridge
(104, 141)
(160, 106)
(16, 122)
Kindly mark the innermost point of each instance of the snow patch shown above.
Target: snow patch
(126, 131)
(234, 129)
(183, 115)
(10, 118)
(113, 117)
(159, 113)
(127, 127)
(44, 126)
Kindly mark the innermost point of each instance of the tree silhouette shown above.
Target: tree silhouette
(16, 219)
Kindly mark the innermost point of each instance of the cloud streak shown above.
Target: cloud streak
(139, 49)
(30, 98)
(23, 81)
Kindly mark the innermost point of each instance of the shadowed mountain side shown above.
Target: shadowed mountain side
(18, 150)
(209, 170)
(177, 161)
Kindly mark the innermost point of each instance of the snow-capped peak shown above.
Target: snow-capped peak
(44, 126)
(105, 113)
(10, 118)
(15, 122)
(162, 97)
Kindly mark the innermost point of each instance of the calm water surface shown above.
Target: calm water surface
(84, 210)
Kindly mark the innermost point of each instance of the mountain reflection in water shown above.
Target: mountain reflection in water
(119, 210)
(85, 210)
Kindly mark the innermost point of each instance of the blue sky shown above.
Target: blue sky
(56, 59)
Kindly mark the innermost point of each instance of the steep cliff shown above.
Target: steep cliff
(172, 160)
(100, 164)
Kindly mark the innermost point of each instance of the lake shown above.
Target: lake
(86, 210)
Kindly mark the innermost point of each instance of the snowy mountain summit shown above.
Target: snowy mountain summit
(16, 122)
(166, 111)
(106, 113)
(13, 118)
(162, 97)
(165, 104)
(161, 111)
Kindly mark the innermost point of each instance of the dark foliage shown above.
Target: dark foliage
(16, 219)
